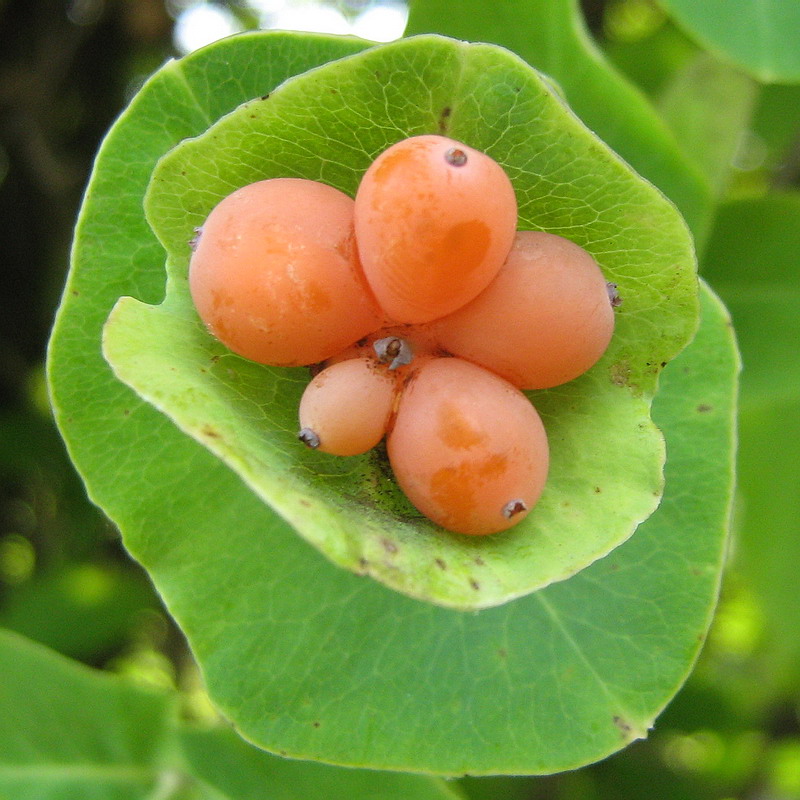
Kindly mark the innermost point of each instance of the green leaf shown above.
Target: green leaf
(551, 36)
(285, 639)
(339, 669)
(776, 129)
(247, 414)
(68, 732)
(752, 260)
(501, 787)
(78, 609)
(757, 35)
(239, 771)
(708, 105)
(651, 57)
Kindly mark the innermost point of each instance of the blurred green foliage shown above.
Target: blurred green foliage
(734, 730)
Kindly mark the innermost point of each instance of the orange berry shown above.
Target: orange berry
(345, 408)
(544, 320)
(434, 221)
(467, 448)
(275, 273)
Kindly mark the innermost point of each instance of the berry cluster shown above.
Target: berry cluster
(424, 313)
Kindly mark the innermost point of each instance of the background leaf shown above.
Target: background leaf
(645, 45)
(239, 771)
(709, 106)
(247, 414)
(758, 35)
(752, 259)
(551, 36)
(67, 732)
(80, 609)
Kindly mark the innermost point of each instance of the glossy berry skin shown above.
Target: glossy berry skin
(275, 274)
(468, 448)
(434, 221)
(544, 320)
(348, 405)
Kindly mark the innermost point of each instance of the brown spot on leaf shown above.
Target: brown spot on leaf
(620, 372)
(443, 119)
(704, 408)
(441, 564)
(212, 433)
(623, 725)
(389, 546)
(474, 584)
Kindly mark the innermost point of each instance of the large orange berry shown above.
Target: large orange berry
(275, 273)
(544, 320)
(468, 448)
(434, 221)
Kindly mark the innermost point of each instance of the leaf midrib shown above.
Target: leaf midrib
(86, 772)
(178, 73)
(636, 725)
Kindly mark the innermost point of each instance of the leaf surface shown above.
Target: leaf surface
(69, 733)
(247, 414)
(225, 762)
(72, 733)
(315, 662)
(752, 259)
(759, 35)
(286, 639)
(709, 104)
